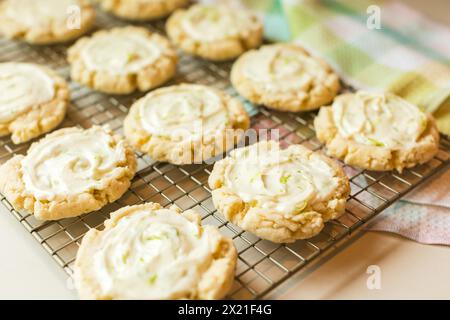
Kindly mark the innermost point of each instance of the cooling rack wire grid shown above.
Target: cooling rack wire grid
(262, 265)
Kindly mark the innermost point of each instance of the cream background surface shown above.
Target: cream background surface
(408, 269)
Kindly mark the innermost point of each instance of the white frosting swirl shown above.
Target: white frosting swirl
(282, 68)
(152, 255)
(383, 120)
(34, 13)
(72, 162)
(120, 53)
(281, 180)
(214, 23)
(185, 111)
(22, 86)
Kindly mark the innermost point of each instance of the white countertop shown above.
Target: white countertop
(408, 269)
(26, 270)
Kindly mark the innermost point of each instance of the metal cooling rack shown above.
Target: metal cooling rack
(262, 265)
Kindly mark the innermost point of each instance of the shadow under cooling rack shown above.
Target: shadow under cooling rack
(262, 265)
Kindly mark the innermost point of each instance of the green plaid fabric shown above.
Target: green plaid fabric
(408, 55)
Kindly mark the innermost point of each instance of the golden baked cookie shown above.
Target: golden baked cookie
(377, 131)
(279, 195)
(284, 77)
(140, 10)
(33, 100)
(148, 252)
(69, 172)
(186, 123)
(214, 32)
(45, 21)
(122, 60)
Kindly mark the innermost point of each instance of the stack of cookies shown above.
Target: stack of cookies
(279, 194)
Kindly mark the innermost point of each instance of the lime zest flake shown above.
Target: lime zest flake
(375, 142)
(300, 207)
(132, 57)
(152, 279)
(289, 59)
(423, 122)
(150, 238)
(252, 179)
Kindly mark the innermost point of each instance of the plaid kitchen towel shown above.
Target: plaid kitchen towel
(405, 53)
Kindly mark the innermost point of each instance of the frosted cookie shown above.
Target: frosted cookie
(377, 131)
(185, 123)
(284, 77)
(148, 252)
(122, 60)
(33, 100)
(141, 9)
(214, 32)
(69, 172)
(279, 195)
(45, 21)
